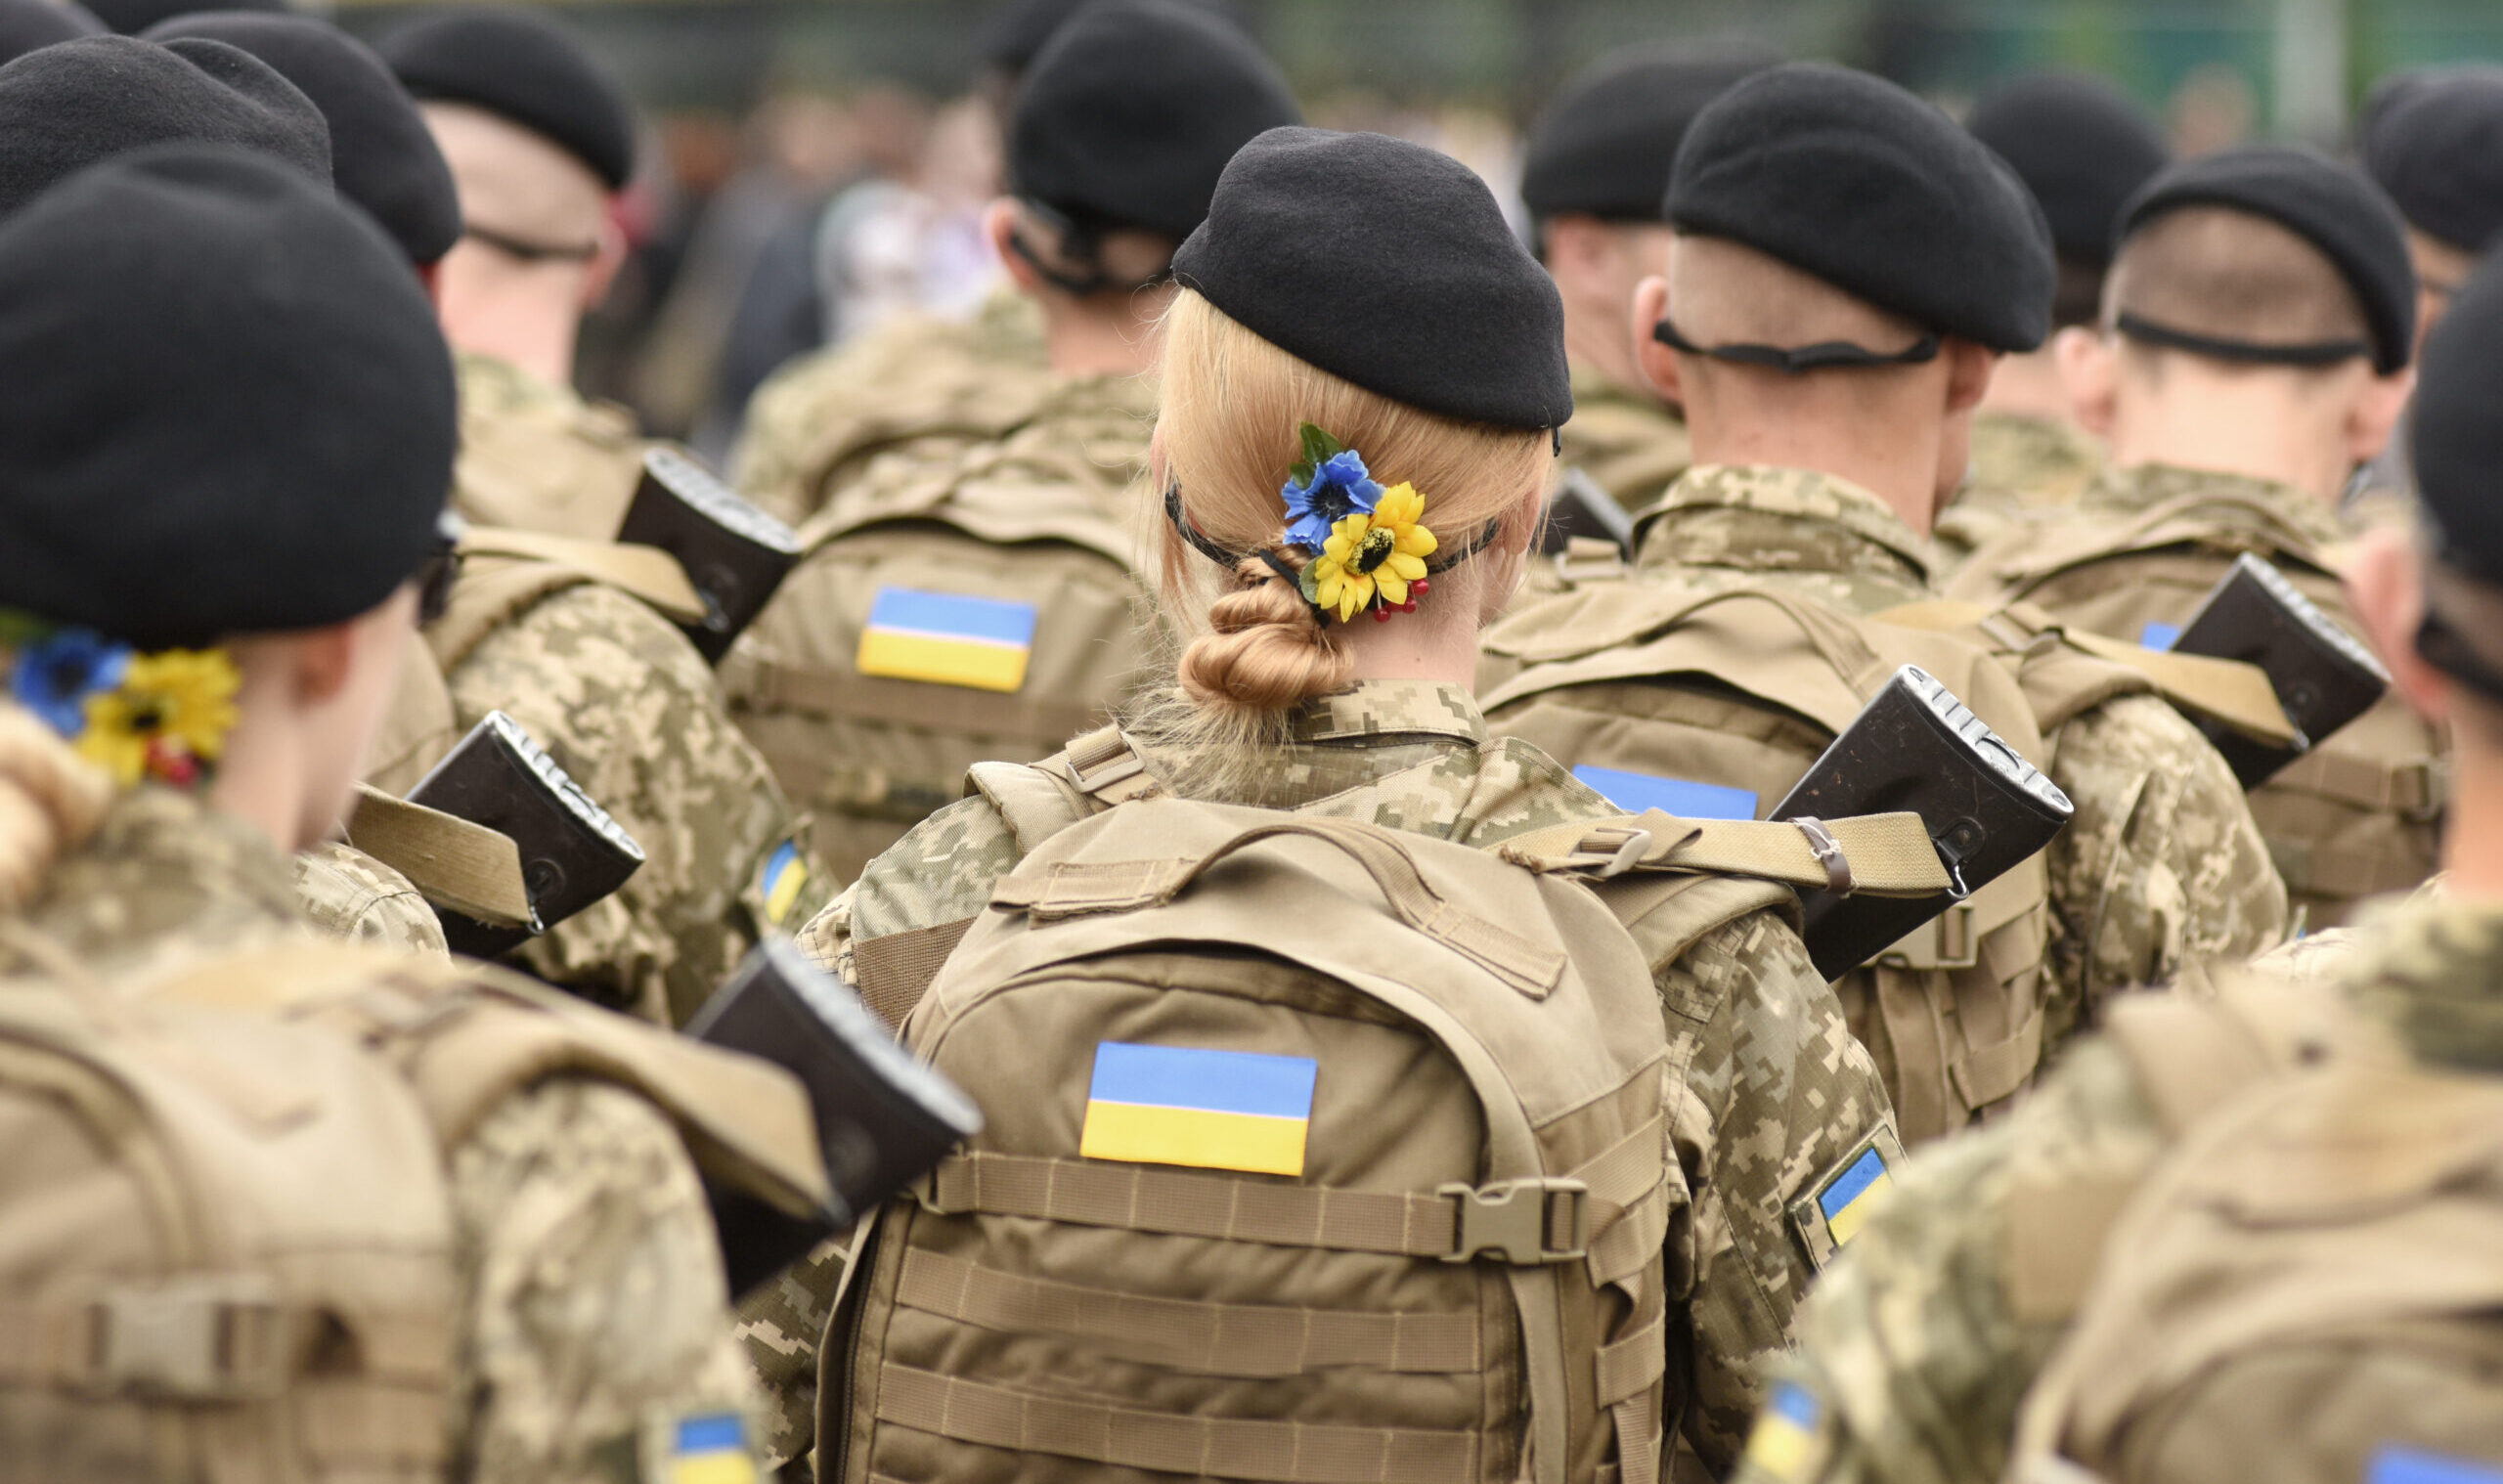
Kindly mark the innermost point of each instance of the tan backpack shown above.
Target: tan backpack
(2310, 1286)
(1721, 702)
(2358, 815)
(225, 1251)
(1316, 1153)
(940, 619)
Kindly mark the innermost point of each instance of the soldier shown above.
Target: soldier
(846, 683)
(1921, 1344)
(1825, 374)
(1596, 170)
(2084, 148)
(224, 458)
(2256, 332)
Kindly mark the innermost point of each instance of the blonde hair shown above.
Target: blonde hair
(51, 802)
(1231, 404)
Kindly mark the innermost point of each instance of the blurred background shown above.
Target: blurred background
(813, 166)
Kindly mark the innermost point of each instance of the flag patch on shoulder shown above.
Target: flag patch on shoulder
(1682, 797)
(1840, 1201)
(784, 874)
(707, 1448)
(948, 638)
(1210, 1109)
(1784, 1435)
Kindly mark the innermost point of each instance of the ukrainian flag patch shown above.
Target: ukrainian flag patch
(708, 1448)
(1841, 1200)
(784, 874)
(1785, 1434)
(1682, 797)
(2159, 636)
(1210, 1109)
(2406, 1465)
(948, 638)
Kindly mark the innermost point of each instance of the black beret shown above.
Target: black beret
(382, 157)
(1389, 264)
(230, 409)
(2438, 150)
(527, 68)
(1131, 114)
(1604, 145)
(131, 17)
(1015, 34)
(27, 25)
(1850, 179)
(70, 106)
(2458, 426)
(2081, 144)
(2318, 199)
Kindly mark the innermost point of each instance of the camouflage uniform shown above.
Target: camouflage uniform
(1629, 442)
(2162, 864)
(539, 458)
(1915, 1352)
(1773, 1088)
(349, 895)
(590, 1278)
(2359, 815)
(914, 383)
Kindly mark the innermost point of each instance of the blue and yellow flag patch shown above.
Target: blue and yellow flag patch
(2406, 1465)
(1784, 1443)
(1210, 1109)
(1853, 1194)
(781, 880)
(1846, 1195)
(1682, 797)
(708, 1448)
(948, 638)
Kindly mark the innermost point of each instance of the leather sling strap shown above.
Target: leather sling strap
(1881, 854)
(647, 573)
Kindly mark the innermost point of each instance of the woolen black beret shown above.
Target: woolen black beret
(70, 106)
(1017, 33)
(132, 17)
(27, 25)
(2458, 426)
(230, 409)
(382, 157)
(2334, 209)
(1604, 145)
(1129, 115)
(2438, 150)
(525, 68)
(2081, 144)
(1852, 180)
(1389, 264)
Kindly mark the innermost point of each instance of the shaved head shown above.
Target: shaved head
(2232, 275)
(1723, 293)
(517, 182)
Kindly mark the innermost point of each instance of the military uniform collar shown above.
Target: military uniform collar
(2432, 968)
(2142, 487)
(1404, 708)
(1802, 495)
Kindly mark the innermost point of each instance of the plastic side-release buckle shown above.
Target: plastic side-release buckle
(210, 1337)
(1525, 1222)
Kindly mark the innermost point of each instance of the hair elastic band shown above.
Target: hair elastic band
(2242, 352)
(1825, 355)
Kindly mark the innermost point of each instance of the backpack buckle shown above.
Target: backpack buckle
(1609, 852)
(1525, 1222)
(212, 1337)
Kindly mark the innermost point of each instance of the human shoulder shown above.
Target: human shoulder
(349, 895)
(941, 871)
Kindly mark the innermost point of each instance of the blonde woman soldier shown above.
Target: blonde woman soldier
(1363, 373)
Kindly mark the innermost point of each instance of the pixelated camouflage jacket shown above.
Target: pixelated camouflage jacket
(589, 1274)
(539, 458)
(2020, 465)
(915, 384)
(1914, 1354)
(2161, 863)
(1629, 442)
(1774, 1089)
(350, 895)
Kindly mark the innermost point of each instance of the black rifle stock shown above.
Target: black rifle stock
(1914, 747)
(2324, 679)
(571, 854)
(883, 1118)
(734, 553)
(1580, 507)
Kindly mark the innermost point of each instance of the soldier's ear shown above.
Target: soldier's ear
(2385, 587)
(1970, 366)
(999, 229)
(2374, 414)
(2089, 372)
(1659, 363)
(602, 270)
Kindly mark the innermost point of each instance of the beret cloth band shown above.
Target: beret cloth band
(2081, 144)
(1390, 265)
(2438, 148)
(2325, 203)
(1603, 148)
(525, 68)
(1850, 179)
(1129, 115)
(230, 409)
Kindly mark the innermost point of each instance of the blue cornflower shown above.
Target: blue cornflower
(1338, 489)
(54, 675)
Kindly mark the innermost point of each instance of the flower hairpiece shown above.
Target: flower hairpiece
(162, 716)
(1371, 542)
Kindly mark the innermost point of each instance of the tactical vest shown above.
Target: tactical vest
(1718, 704)
(1369, 1177)
(2305, 1289)
(934, 624)
(2359, 815)
(225, 1251)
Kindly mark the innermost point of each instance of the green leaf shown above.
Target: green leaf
(1308, 581)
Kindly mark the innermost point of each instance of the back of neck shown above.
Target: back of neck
(1899, 465)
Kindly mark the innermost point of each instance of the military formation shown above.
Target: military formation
(1827, 824)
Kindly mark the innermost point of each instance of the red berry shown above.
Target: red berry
(1381, 615)
(1421, 586)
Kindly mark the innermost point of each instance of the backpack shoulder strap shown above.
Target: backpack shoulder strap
(645, 573)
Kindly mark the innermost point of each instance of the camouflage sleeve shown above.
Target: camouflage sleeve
(596, 1340)
(351, 895)
(781, 1328)
(627, 707)
(1913, 1354)
(1773, 1091)
(2162, 866)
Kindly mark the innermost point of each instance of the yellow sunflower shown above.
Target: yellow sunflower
(170, 714)
(1380, 553)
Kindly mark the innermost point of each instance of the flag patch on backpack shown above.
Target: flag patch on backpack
(1682, 797)
(2159, 636)
(948, 638)
(2405, 1465)
(1210, 1109)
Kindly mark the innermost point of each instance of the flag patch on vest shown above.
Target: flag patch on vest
(2405, 1465)
(1211, 1110)
(1682, 797)
(1840, 1201)
(2159, 636)
(784, 874)
(948, 638)
(1786, 1433)
(708, 1448)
